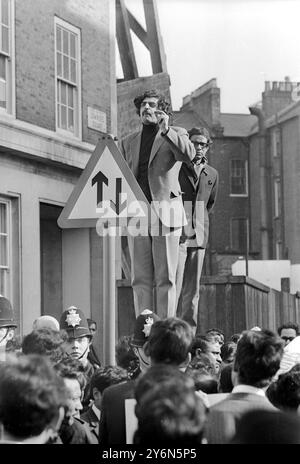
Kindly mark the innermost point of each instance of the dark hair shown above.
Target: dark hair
(31, 394)
(228, 351)
(202, 343)
(202, 131)
(225, 382)
(169, 411)
(106, 376)
(126, 357)
(203, 379)
(169, 341)
(258, 357)
(235, 337)
(70, 368)
(162, 103)
(285, 392)
(289, 325)
(46, 342)
(91, 321)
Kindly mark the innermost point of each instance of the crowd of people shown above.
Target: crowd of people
(185, 389)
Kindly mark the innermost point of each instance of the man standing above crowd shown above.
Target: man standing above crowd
(199, 184)
(155, 154)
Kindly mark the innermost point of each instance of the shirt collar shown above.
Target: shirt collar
(96, 411)
(248, 389)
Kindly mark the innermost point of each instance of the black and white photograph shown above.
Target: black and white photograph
(149, 226)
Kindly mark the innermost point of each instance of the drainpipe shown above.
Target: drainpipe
(263, 176)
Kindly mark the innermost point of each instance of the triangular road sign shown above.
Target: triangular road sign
(106, 189)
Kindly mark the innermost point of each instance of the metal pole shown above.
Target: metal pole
(247, 246)
(109, 295)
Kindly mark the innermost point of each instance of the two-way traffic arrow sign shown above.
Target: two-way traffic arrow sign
(106, 189)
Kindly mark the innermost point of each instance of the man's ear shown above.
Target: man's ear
(198, 351)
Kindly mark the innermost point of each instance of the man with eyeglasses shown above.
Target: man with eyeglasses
(155, 154)
(199, 184)
(288, 332)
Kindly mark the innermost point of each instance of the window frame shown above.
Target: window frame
(77, 112)
(7, 291)
(10, 90)
(243, 195)
(239, 218)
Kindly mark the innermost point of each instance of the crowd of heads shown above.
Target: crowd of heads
(48, 385)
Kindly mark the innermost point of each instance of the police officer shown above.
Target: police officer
(77, 346)
(7, 325)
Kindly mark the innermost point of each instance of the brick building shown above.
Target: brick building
(57, 97)
(230, 156)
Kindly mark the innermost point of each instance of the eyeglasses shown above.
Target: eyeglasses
(202, 144)
(287, 338)
(151, 104)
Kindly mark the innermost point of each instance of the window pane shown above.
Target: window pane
(73, 71)
(2, 94)
(3, 250)
(5, 12)
(3, 218)
(71, 119)
(5, 39)
(58, 64)
(58, 38)
(63, 93)
(66, 67)
(63, 116)
(73, 45)
(3, 67)
(65, 42)
(3, 273)
(70, 96)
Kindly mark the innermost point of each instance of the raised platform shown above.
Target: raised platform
(232, 303)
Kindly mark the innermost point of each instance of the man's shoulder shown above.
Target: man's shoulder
(179, 129)
(129, 137)
(120, 390)
(211, 170)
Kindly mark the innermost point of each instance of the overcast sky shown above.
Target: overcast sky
(242, 43)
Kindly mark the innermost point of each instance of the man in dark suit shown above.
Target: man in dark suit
(155, 154)
(256, 362)
(112, 427)
(199, 185)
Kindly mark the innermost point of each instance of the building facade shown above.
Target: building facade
(58, 96)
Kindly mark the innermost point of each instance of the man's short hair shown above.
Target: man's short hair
(258, 357)
(162, 103)
(285, 392)
(200, 131)
(31, 394)
(106, 376)
(169, 341)
(70, 368)
(47, 342)
(289, 325)
(168, 411)
(202, 343)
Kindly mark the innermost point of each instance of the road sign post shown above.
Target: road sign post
(106, 193)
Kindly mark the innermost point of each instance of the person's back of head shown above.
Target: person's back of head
(106, 376)
(31, 399)
(169, 342)
(257, 357)
(225, 381)
(169, 411)
(203, 379)
(45, 322)
(285, 392)
(228, 351)
(126, 357)
(45, 341)
(267, 427)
